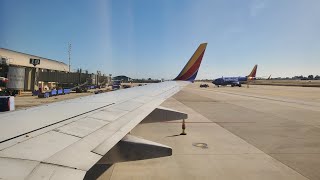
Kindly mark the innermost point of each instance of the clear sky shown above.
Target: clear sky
(155, 38)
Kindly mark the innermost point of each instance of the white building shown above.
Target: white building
(21, 74)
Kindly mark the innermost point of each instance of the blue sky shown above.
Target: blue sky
(155, 38)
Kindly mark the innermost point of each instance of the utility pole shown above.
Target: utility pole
(69, 52)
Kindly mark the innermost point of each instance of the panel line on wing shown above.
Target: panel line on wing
(55, 123)
(99, 119)
(56, 130)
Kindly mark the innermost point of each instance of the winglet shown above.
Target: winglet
(253, 72)
(190, 70)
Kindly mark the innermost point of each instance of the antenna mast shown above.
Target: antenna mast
(69, 52)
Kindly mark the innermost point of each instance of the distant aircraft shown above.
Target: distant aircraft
(235, 81)
(264, 77)
(63, 140)
(269, 77)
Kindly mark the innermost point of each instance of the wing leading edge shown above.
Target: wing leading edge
(63, 140)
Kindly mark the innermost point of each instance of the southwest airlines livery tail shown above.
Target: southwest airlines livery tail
(252, 75)
(190, 70)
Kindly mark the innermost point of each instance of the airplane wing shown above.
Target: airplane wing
(63, 140)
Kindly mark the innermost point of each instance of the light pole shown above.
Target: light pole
(69, 52)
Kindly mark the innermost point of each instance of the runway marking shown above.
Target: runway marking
(186, 122)
(265, 98)
(234, 122)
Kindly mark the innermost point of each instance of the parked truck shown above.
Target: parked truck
(116, 84)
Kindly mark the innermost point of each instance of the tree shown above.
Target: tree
(310, 77)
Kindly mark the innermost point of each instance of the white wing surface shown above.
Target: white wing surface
(71, 136)
(63, 140)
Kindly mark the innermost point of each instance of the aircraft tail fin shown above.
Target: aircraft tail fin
(253, 72)
(269, 77)
(190, 70)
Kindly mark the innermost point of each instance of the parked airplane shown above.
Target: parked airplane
(63, 140)
(235, 81)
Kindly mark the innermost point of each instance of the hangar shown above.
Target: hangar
(15, 58)
(22, 74)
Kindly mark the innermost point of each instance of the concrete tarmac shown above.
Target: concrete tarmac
(27, 101)
(261, 132)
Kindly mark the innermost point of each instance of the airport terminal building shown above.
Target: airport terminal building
(17, 67)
